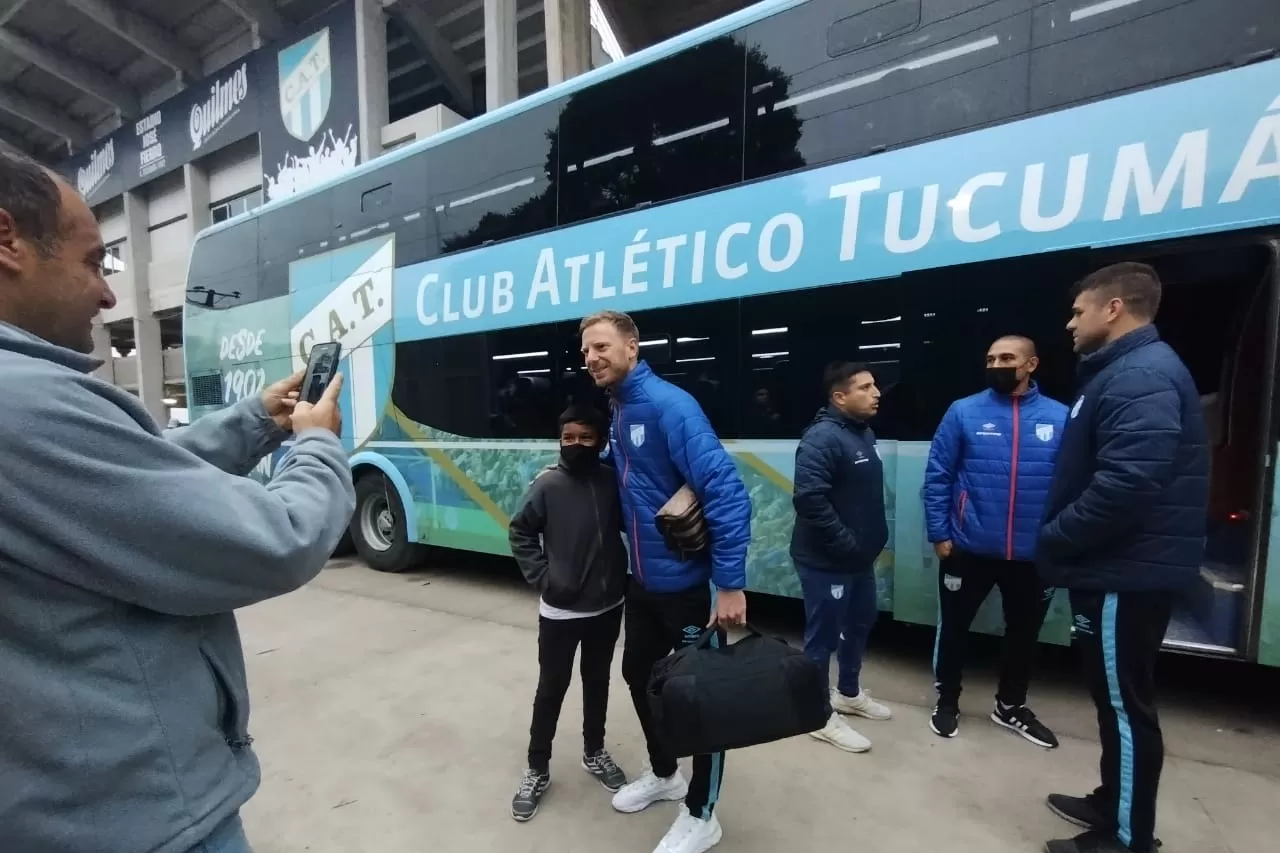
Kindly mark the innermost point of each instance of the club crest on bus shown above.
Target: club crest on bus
(306, 85)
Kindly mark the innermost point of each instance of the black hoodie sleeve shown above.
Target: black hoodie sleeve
(525, 533)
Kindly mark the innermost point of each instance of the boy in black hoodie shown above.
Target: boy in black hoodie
(567, 540)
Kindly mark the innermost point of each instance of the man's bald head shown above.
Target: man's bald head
(51, 255)
(1022, 342)
(1011, 360)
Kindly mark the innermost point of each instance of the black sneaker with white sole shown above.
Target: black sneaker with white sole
(945, 721)
(532, 786)
(601, 765)
(1020, 719)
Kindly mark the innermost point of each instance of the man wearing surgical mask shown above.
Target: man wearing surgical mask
(989, 470)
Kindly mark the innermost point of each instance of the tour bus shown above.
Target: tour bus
(898, 182)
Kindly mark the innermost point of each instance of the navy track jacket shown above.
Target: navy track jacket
(839, 497)
(1127, 508)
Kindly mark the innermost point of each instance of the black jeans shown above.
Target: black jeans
(1120, 635)
(964, 582)
(558, 640)
(657, 624)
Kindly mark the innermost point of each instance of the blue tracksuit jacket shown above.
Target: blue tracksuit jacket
(990, 466)
(659, 440)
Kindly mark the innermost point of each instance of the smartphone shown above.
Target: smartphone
(321, 367)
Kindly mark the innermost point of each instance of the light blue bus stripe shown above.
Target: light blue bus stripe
(844, 222)
(717, 759)
(651, 54)
(1124, 814)
(937, 643)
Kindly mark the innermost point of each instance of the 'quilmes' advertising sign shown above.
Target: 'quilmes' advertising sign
(97, 176)
(225, 99)
(234, 103)
(203, 118)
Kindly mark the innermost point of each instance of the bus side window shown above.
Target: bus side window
(788, 339)
(1079, 57)
(300, 230)
(441, 383)
(224, 268)
(696, 347)
(495, 183)
(391, 199)
(655, 133)
(821, 88)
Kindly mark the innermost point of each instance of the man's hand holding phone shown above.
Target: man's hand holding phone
(325, 414)
(279, 398)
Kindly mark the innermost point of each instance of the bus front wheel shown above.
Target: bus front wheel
(379, 527)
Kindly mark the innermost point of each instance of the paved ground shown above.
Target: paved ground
(391, 714)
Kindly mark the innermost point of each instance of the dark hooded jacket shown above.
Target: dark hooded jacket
(567, 539)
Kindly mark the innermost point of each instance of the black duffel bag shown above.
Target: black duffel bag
(757, 690)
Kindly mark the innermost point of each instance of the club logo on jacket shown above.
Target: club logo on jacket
(1075, 410)
(837, 591)
(637, 435)
(952, 583)
(988, 429)
(1044, 432)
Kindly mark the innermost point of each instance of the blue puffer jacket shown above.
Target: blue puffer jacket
(839, 497)
(1127, 509)
(989, 470)
(660, 439)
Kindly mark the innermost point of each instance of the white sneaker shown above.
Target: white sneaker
(861, 705)
(840, 734)
(649, 789)
(690, 834)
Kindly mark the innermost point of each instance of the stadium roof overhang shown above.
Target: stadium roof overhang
(73, 70)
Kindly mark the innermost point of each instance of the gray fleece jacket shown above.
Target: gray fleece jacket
(123, 552)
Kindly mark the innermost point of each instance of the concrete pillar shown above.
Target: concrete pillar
(371, 75)
(199, 216)
(500, 55)
(102, 350)
(568, 25)
(146, 328)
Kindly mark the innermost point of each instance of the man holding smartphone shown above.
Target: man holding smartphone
(123, 553)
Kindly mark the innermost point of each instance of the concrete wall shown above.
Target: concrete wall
(170, 233)
(233, 170)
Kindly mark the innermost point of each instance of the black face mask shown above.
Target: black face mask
(579, 457)
(1002, 380)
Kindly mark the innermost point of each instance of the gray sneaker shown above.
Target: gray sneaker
(602, 766)
(532, 787)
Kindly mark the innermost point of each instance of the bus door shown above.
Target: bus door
(1219, 313)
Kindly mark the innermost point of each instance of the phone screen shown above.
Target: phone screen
(321, 366)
